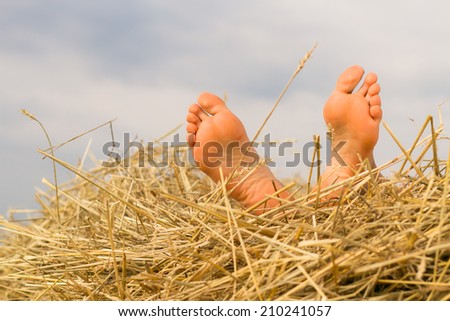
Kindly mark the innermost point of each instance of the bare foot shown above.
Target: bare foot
(353, 118)
(220, 143)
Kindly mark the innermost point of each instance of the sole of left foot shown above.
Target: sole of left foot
(213, 130)
(353, 117)
(221, 147)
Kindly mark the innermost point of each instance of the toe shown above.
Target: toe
(191, 128)
(193, 118)
(374, 90)
(369, 81)
(191, 131)
(375, 108)
(375, 101)
(211, 103)
(197, 111)
(190, 138)
(376, 112)
(349, 79)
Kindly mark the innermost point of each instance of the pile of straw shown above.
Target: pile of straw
(146, 233)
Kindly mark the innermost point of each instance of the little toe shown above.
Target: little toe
(349, 79)
(199, 112)
(376, 112)
(375, 108)
(191, 129)
(211, 103)
(190, 138)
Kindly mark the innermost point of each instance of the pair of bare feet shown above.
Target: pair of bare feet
(353, 116)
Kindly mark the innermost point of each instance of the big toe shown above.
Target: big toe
(210, 103)
(349, 79)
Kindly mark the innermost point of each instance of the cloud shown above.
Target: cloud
(76, 64)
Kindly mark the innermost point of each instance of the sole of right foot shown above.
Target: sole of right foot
(353, 117)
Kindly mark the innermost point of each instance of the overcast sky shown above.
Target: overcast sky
(77, 64)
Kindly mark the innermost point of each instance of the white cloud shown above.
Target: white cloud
(78, 64)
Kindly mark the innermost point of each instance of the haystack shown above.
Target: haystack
(149, 233)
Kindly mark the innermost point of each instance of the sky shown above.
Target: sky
(78, 64)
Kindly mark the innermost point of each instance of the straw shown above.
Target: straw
(142, 233)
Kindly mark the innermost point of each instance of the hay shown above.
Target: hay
(147, 233)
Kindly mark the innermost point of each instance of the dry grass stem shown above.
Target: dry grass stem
(145, 233)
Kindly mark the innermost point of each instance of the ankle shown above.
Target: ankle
(254, 188)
